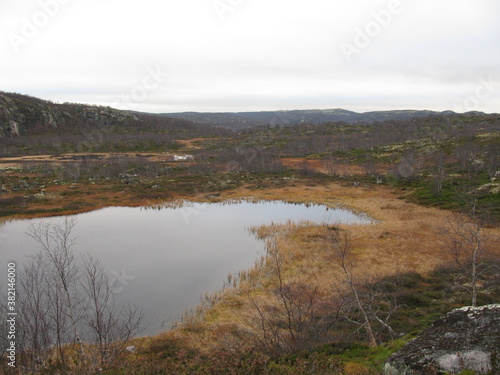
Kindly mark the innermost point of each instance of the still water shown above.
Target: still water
(165, 259)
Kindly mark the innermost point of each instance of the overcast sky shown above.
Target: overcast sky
(247, 55)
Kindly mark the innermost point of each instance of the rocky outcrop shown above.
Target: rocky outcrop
(466, 338)
(106, 116)
(24, 115)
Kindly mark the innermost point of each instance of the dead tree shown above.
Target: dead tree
(468, 244)
(292, 319)
(66, 300)
(340, 251)
(56, 244)
(111, 326)
(35, 327)
(440, 174)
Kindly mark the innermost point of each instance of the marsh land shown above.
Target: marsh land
(324, 297)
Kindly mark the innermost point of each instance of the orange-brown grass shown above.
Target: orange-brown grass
(328, 166)
(403, 237)
(195, 143)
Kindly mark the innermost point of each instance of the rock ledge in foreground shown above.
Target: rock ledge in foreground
(465, 338)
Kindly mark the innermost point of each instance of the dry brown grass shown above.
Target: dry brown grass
(404, 238)
(327, 166)
(195, 143)
(404, 233)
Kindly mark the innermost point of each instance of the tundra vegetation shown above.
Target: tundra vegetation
(324, 299)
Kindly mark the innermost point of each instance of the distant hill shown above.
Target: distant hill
(25, 115)
(240, 120)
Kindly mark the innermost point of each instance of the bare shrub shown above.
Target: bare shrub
(69, 307)
(293, 317)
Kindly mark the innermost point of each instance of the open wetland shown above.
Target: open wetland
(164, 258)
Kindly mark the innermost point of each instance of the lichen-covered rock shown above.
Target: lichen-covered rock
(466, 338)
(492, 188)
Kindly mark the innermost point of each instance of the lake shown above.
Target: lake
(165, 258)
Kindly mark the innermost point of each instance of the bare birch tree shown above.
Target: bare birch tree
(68, 304)
(439, 159)
(293, 318)
(339, 247)
(110, 325)
(468, 244)
(57, 253)
(35, 328)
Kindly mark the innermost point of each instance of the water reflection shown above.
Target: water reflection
(165, 258)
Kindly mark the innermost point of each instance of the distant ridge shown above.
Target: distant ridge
(23, 115)
(241, 120)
